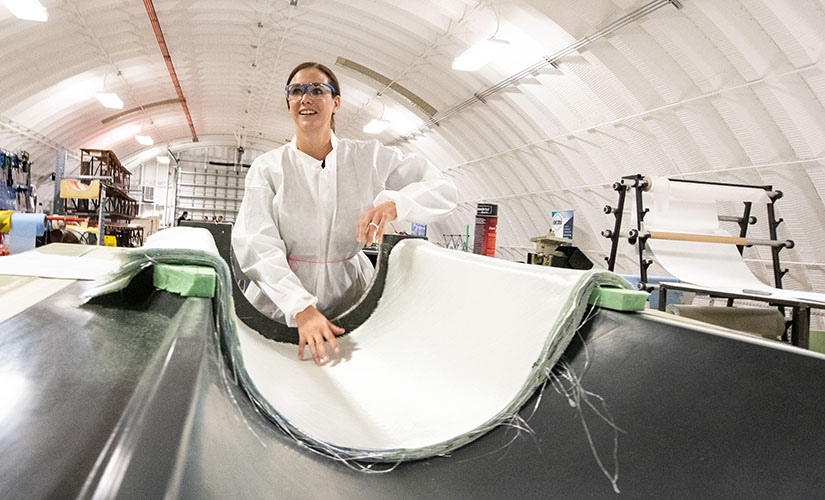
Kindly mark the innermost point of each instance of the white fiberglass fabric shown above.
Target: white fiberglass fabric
(692, 208)
(457, 344)
(50, 264)
(45, 265)
(183, 238)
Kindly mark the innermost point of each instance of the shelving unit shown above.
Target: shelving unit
(16, 192)
(118, 207)
(207, 190)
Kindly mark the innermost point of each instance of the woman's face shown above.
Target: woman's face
(312, 113)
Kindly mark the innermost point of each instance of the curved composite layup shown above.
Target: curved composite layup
(421, 376)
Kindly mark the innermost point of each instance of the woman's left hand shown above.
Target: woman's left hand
(372, 222)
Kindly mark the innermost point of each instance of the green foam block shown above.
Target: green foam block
(618, 299)
(188, 281)
(817, 341)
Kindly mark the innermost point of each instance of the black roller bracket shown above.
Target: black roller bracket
(640, 184)
(614, 234)
(634, 235)
(643, 283)
(743, 229)
(775, 195)
(773, 224)
(642, 214)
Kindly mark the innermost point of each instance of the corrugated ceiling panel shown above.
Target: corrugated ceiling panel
(680, 148)
(802, 210)
(628, 81)
(781, 20)
(815, 79)
(807, 21)
(646, 151)
(718, 143)
(666, 79)
(800, 117)
(458, 138)
(816, 173)
(609, 98)
(554, 112)
(600, 158)
(739, 37)
(531, 127)
(756, 132)
(700, 59)
(543, 165)
(623, 158)
(588, 109)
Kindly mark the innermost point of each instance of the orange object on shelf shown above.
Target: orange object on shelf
(66, 218)
(70, 188)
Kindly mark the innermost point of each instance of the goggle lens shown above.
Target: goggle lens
(296, 91)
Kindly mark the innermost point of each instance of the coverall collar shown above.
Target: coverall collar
(293, 144)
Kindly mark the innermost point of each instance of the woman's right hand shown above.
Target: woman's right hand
(314, 330)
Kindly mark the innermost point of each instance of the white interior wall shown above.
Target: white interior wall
(160, 178)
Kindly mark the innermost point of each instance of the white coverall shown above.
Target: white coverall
(295, 232)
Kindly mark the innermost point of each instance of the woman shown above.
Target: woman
(311, 205)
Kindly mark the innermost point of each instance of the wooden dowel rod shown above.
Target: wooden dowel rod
(713, 238)
(704, 238)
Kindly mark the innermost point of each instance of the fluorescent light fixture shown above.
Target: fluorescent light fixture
(145, 140)
(376, 126)
(163, 159)
(109, 99)
(30, 10)
(479, 54)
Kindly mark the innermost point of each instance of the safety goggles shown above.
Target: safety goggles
(296, 91)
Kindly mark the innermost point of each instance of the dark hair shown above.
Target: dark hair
(333, 80)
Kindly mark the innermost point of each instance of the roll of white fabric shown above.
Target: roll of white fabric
(685, 207)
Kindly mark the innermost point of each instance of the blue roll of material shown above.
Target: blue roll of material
(24, 229)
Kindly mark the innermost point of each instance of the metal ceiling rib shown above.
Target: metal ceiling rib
(127, 112)
(387, 83)
(153, 18)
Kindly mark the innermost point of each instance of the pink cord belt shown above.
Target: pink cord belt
(290, 259)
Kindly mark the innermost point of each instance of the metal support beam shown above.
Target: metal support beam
(58, 207)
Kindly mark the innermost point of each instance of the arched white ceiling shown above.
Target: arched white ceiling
(727, 90)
